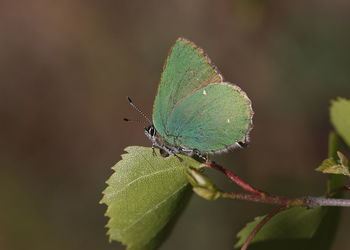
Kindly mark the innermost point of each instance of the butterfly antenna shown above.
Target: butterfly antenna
(134, 120)
(138, 110)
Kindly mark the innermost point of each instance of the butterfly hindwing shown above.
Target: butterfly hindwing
(213, 118)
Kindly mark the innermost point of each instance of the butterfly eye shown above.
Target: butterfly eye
(151, 130)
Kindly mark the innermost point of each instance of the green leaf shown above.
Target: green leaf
(331, 166)
(144, 196)
(296, 228)
(340, 117)
(294, 223)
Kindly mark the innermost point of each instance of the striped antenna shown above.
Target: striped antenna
(138, 110)
(134, 120)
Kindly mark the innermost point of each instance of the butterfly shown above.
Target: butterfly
(195, 111)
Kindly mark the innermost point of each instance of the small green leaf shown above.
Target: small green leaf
(294, 223)
(331, 166)
(342, 159)
(340, 117)
(144, 195)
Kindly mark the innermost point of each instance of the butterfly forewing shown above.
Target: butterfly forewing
(186, 69)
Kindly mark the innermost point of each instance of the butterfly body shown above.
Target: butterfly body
(167, 148)
(195, 111)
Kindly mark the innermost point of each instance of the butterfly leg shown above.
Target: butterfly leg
(166, 151)
(163, 153)
(207, 157)
(202, 157)
(153, 150)
(194, 153)
(178, 157)
(172, 152)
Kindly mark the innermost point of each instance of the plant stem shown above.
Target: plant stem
(245, 186)
(326, 202)
(257, 195)
(266, 198)
(307, 201)
(260, 225)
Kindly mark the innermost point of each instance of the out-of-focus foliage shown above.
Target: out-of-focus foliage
(340, 117)
(292, 224)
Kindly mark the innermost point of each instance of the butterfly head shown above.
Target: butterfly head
(151, 133)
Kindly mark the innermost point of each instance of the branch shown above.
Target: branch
(257, 195)
(308, 201)
(326, 202)
(269, 199)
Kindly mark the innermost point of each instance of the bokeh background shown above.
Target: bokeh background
(66, 68)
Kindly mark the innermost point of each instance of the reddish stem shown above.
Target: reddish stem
(260, 226)
(235, 178)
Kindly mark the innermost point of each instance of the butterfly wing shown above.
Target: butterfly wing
(194, 108)
(214, 118)
(186, 69)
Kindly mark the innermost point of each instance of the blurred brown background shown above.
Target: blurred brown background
(66, 68)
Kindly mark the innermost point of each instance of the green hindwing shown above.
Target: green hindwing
(194, 108)
(211, 119)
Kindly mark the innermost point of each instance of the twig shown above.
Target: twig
(269, 199)
(260, 225)
(257, 195)
(245, 186)
(326, 202)
(308, 201)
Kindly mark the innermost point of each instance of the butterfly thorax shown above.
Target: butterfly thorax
(166, 148)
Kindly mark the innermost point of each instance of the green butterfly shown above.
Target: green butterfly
(195, 112)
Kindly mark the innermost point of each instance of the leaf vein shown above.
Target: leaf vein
(153, 208)
(109, 195)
